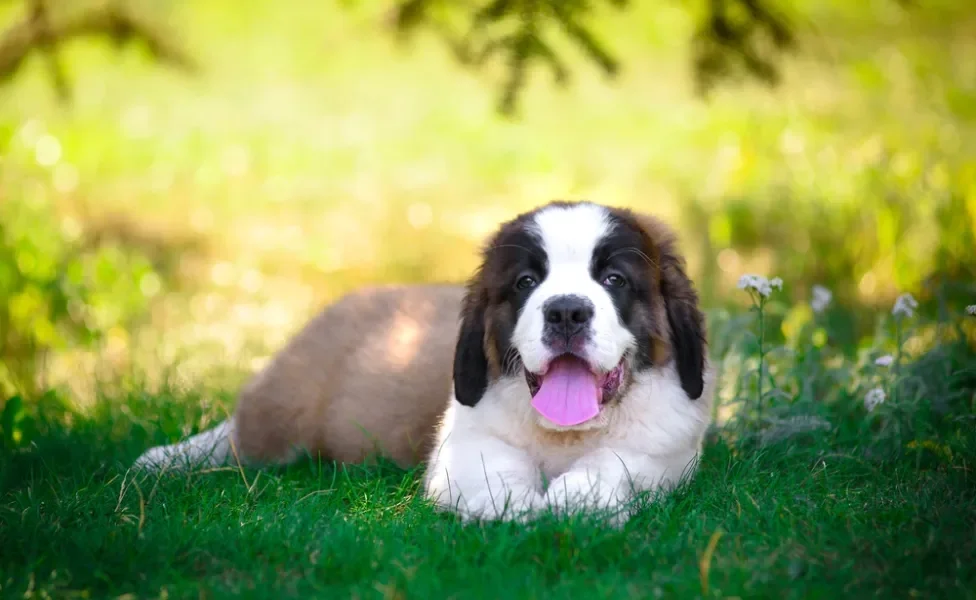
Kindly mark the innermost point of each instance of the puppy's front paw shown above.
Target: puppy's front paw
(518, 505)
(578, 491)
(574, 490)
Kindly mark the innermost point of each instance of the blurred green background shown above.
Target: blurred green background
(166, 222)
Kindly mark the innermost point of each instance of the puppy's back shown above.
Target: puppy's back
(369, 374)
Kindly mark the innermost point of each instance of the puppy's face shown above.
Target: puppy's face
(575, 298)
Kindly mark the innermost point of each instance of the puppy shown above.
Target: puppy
(576, 378)
(580, 373)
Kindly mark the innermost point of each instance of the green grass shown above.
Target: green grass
(875, 504)
(313, 155)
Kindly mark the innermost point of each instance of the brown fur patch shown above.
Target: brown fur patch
(680, 321)
(491, 349)
(370, 375)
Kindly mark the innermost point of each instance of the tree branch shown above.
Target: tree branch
(38, 31)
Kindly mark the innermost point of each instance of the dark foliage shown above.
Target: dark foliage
(740, 36)
(734, 37)
(44, 30)
(515, 30)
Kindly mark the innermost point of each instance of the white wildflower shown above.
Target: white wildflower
(884, 361)
(759, 284)
(905, 306)
(748, 281)
(873, 398)
(821, 298)
(971, 310)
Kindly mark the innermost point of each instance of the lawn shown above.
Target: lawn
(164, 234)
(814, 493)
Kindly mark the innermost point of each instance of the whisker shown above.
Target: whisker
(636, 251)
(510, 360)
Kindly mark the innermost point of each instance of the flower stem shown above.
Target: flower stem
(762, 358)
(898, 342)
(896, 369)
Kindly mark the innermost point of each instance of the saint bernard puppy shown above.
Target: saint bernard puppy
(578, 376)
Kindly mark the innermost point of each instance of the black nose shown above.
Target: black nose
(567, 315)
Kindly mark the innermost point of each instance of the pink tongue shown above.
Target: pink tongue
(569, 394)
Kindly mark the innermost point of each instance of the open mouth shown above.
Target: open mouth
(569, 392)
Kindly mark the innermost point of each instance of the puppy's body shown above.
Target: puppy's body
(463, 378)
(368, 376)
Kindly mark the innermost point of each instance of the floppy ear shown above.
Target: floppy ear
(686, 322)
(470, 360)
(687, 325)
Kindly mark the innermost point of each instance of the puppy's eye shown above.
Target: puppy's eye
(526, 282)
(614, 280)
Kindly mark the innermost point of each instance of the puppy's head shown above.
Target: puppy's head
(575, 299)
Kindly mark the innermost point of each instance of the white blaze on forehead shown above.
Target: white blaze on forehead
(569, 235)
